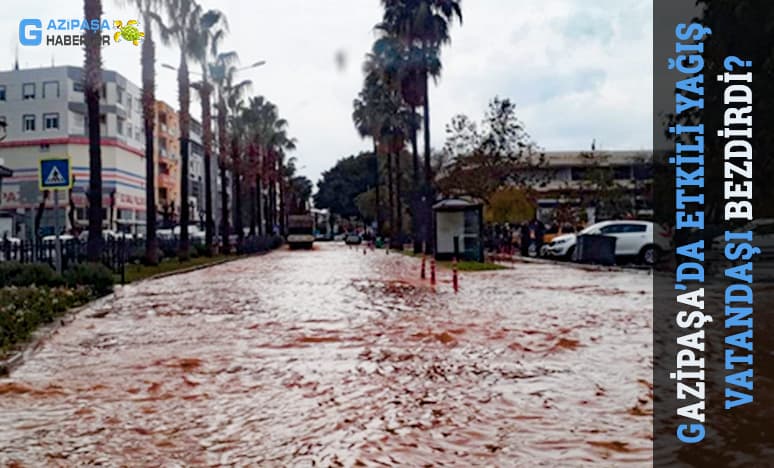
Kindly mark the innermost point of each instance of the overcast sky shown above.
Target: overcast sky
(577, 69)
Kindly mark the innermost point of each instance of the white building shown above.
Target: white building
(45, 113)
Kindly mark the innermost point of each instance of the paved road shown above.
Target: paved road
(335, 358)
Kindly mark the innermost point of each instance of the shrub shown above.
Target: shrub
(22, 310)
(93, 275)
(28, 274)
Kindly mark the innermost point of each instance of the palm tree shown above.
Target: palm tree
(269, 135)
(366, 122)
(92, 10)
(147, 9)
(185, 27)
(213, 27)
(423, 26)
(237, 138)
(223, 71)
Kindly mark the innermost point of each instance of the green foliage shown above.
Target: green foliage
(24, 309)
(344, 182)
(508, 205)
(95, 276)
(37, 274)
(484, 159)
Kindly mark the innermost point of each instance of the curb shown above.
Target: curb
(195, 268)
(28, 348)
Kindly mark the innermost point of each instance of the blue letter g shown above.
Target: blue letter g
(30, 32)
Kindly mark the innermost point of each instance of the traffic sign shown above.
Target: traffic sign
(54, 174)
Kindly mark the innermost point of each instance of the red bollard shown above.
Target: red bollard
(422, 274)
(455, 278)
(432, 271)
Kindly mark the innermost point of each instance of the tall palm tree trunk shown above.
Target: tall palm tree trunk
(237, 193)
(429, 190)
(93, 83)
(209, 225)
(149, 117)
(398, 203)
(222, 136)
(416, 219)
(390, 198)
(259, 204)
(282, 208)
(253, 208)
(185, 98)
(378, 210)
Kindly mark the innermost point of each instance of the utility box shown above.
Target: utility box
(596, 249)
(459, 223)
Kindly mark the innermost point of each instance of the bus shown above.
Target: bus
(300, 231)
(322, 225)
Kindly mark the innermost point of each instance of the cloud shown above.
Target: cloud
(576, 70)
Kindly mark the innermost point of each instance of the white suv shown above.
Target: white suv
(642, 239)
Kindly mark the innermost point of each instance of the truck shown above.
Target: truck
(300, 231)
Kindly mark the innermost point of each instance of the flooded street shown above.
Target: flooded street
(335, 358)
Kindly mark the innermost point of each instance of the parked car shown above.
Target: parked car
(641, 239)
(353, 239)
(763, 236)
(50, 240)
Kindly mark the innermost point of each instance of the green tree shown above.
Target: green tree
(213, 27)
(341, 184)
(483, 159)
(423, 26)
(147, 10)
(186, 19)
(223, 71)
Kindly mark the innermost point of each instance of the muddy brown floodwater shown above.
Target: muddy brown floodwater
(335, 358)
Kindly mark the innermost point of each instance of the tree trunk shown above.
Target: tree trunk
(253, 208)
(429, 190)
(149, 119)
(390, 198)
(416, 219)
(92, 85)
(378, 209)
(398, 204)
(237, 193)
(184, 98)
(222, 136)
(209, 226)
(259, 203)
(281, 182)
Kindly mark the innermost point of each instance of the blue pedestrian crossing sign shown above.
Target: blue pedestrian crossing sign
(54, 174)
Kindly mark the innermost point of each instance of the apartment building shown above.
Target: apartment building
(166, 154)
(45, 116)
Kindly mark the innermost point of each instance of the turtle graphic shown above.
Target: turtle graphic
(128, 32)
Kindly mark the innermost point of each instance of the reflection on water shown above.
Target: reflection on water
(335, 358)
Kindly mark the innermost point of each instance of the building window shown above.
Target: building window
(119, 95)
(28, 91)
(51, 121)
(120, 126)
(28, 123)
(78, 86)
(2, 93)
(129, 130)
(50, 89)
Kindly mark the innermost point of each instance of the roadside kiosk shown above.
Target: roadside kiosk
(459, 225)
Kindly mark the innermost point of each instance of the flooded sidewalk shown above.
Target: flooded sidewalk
(335, 358)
